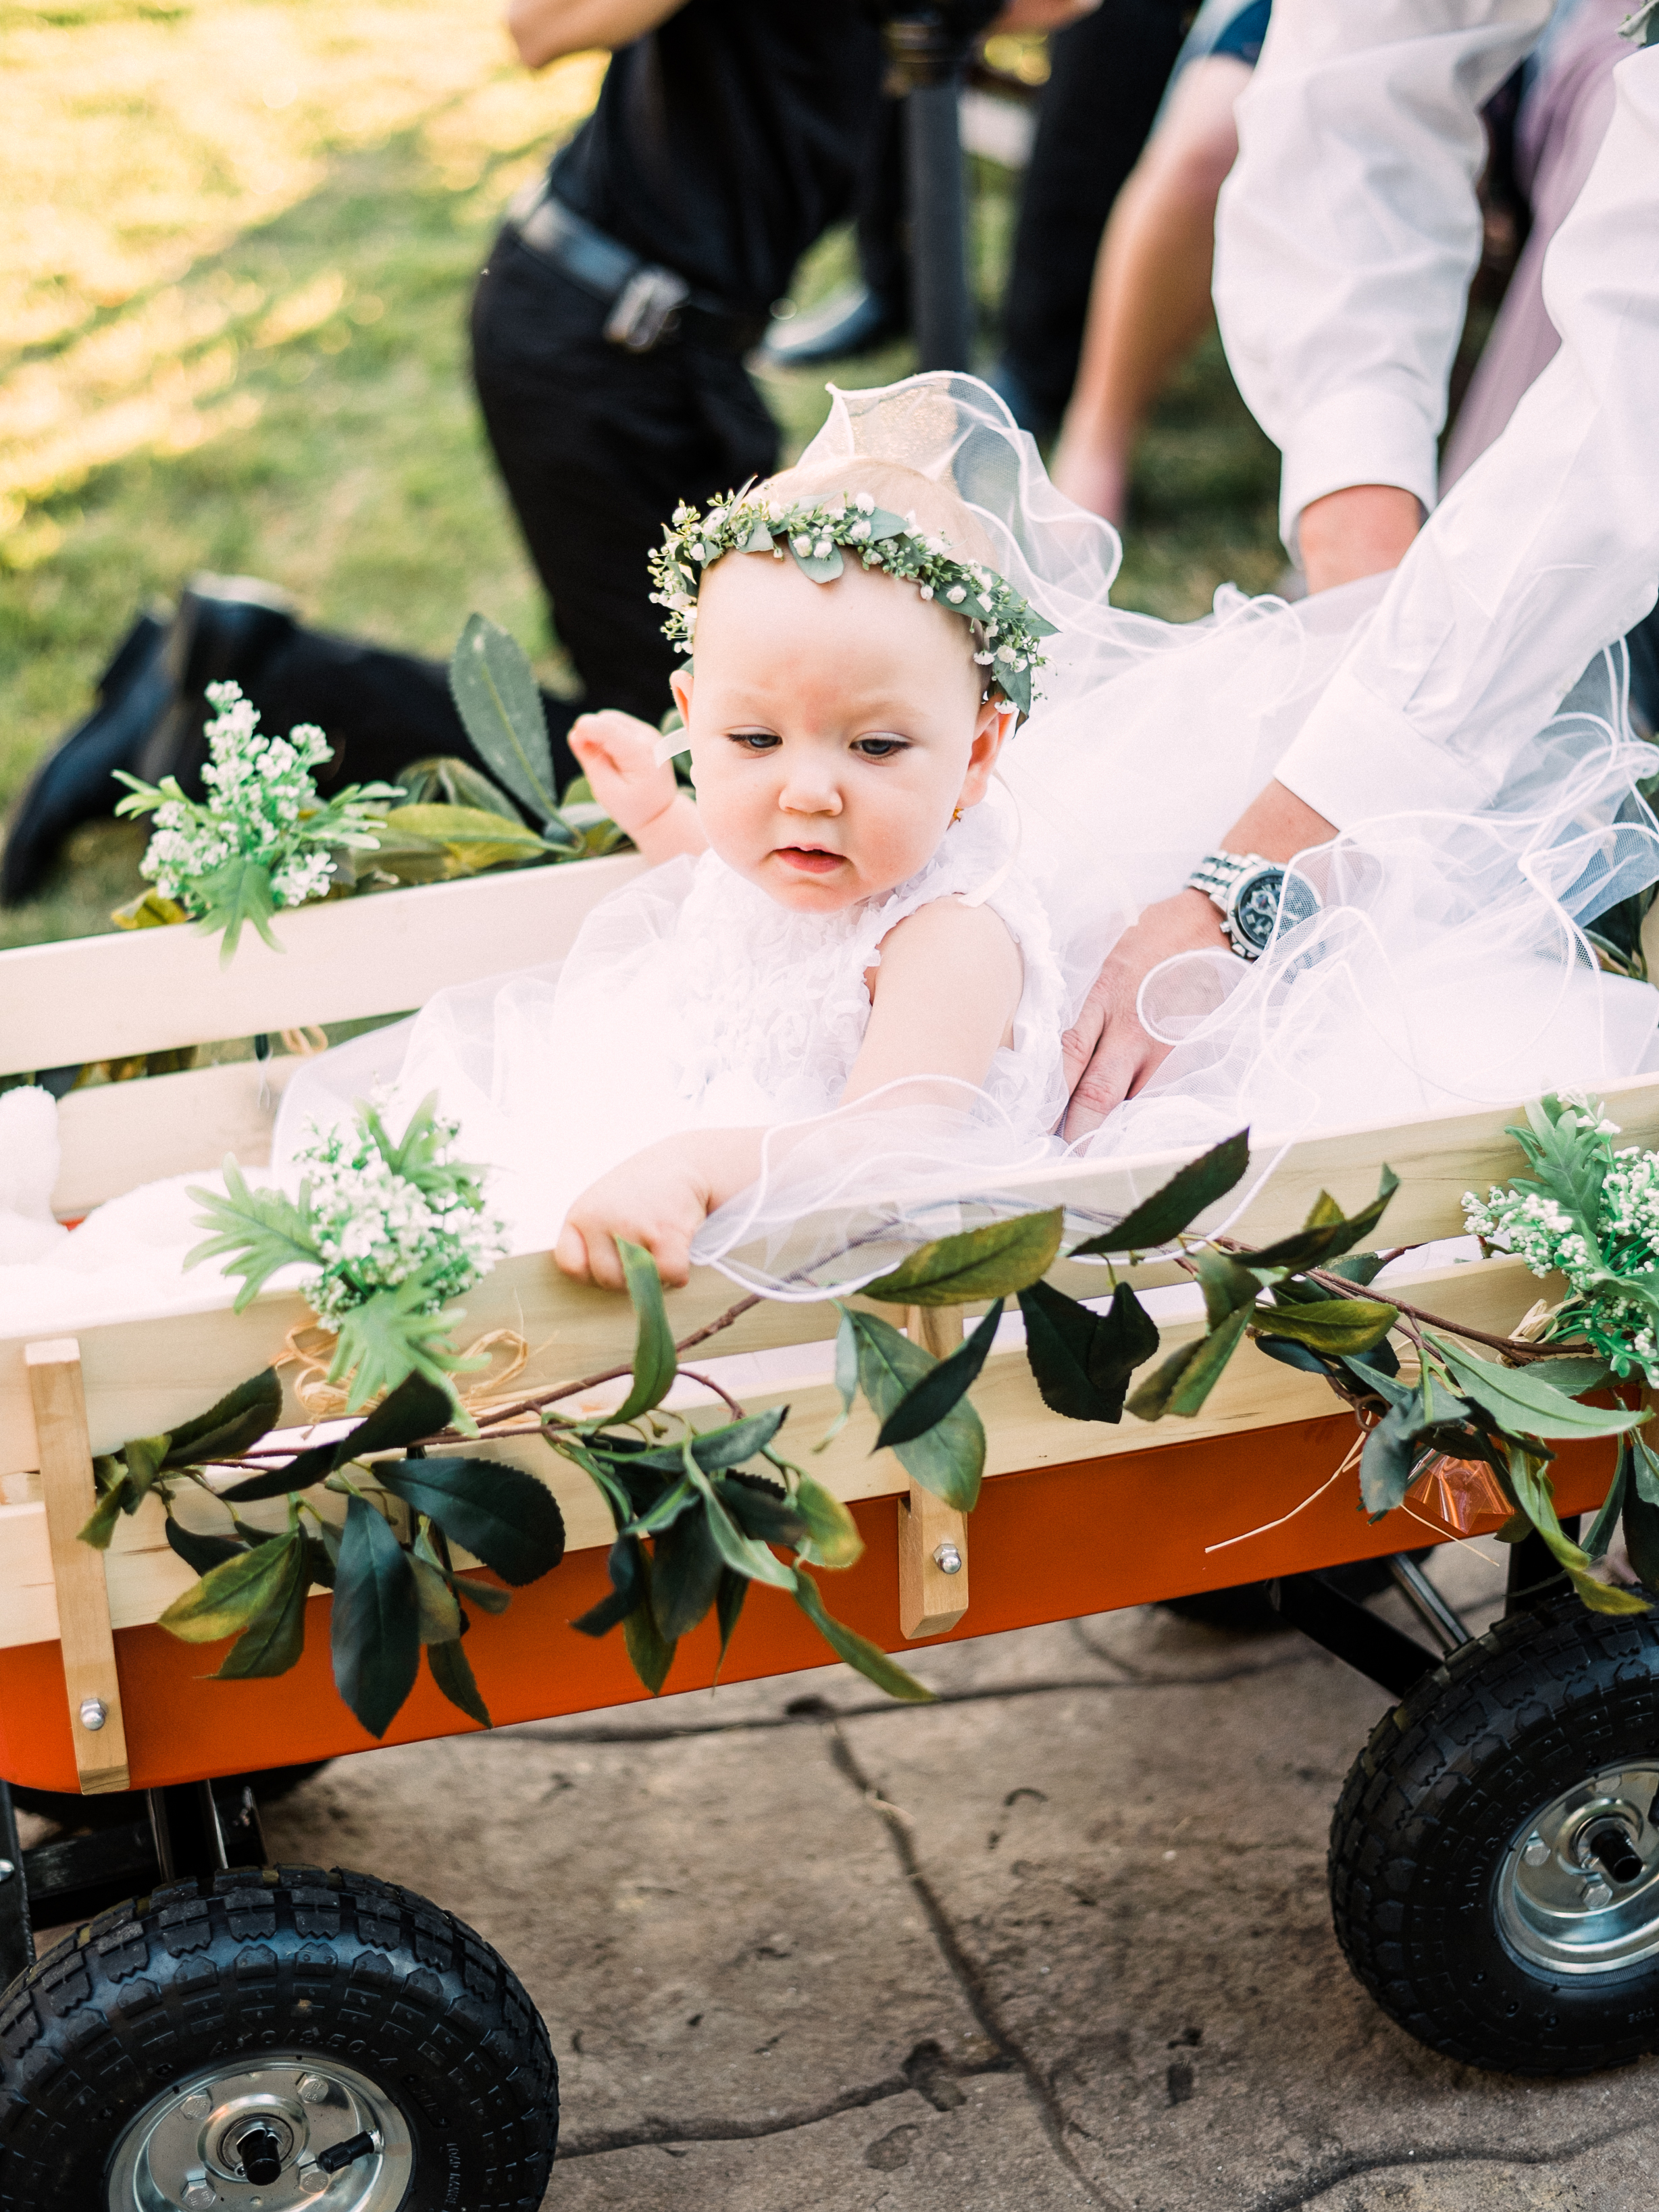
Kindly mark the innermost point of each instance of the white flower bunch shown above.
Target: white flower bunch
(1591, 1214)
(262, 806)
(379, 1214)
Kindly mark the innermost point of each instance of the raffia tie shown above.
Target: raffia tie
(310, 1348)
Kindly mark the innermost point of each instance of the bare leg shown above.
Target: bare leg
(1150, 301)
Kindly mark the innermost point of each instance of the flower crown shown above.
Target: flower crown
(1006, 631)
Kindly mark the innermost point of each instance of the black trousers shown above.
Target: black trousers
(1107, 76)
(596, 446)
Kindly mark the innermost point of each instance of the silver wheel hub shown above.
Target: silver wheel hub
(278, 2133)
(1578, 1889)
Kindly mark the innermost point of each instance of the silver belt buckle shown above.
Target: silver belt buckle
(645, 308)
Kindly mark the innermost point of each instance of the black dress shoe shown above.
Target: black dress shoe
(76, 783)
(854, 322)
(225, 630)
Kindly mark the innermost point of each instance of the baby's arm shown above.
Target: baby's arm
(660, 1198)
(619, 755)
(942, 998)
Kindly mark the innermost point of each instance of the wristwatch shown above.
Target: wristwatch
(1254, 897)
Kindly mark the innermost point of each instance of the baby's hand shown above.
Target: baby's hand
(658, 1198)
(618, 754)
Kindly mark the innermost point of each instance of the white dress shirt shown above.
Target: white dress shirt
(1345, 238)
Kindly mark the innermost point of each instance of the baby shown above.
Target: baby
(839, 724)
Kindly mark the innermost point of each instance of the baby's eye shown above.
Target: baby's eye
(879, 748)
(754, 741)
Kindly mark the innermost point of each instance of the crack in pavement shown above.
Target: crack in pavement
(806, 1711)
(1297, 2193)
(654, 2133)
(968, 1979)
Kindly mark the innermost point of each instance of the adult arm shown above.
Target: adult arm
(545, 30)
(1348, 231)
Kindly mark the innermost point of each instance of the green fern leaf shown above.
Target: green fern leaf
(264, 1230)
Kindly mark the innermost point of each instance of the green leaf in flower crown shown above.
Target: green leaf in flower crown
(1160, 1218)
(238, 1420)
(950, 1459)
(451, 1671)
(992, 1262)
(264, 1230)
(871, 1660)
(390, 1336)
(376, 1628)
(501, 1515)
(822, 569)
(1338, 1325)
(235, 893)
(686, 1566)
(273, 1640)
(654, 1362)
(230, 1596)
(1522, 1401)
(499, 704)
(1327, 1233)
(1187, 1378)
(832, 1535)
(1081, 1361)
(925, 1403)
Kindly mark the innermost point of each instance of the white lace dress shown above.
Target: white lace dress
(690, 1000)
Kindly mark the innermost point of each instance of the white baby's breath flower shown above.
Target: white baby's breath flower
(864, 504)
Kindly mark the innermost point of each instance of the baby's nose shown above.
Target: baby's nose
(809, 794)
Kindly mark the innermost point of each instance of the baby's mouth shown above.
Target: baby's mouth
(811, 860)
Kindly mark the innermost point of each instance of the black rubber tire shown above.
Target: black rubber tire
(280, 1958)
(1428, 1811)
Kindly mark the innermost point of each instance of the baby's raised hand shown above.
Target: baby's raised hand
(618, 754)
(658, 1198)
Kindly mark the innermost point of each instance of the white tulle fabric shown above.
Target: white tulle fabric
(1447, 966)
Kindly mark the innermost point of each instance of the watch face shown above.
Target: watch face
(1262, 898)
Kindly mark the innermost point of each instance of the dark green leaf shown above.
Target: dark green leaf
(649, 1652)
(1599, 1534)
(1326, 1233)
(319, 1563)
(1295, 1355)
(376, 1634)
(451, 1670)
(416, 1408)
(230, 1596)
(1535, 1494)
(499, 705)
(745, 1555)
(1226, 1288)
(501, 1515)
(1522, 1400)
(925, 1403)
(871, 1660)
(764, 1508)
(204, 1553)
(625, 1564)
(1576, 1376)
(101, 1523)
(1187, 1378)
(950, 1459)
(686, 1566)
(992, 1262)
(257, 1233)
(1339, 1325)
(240, 1417)
(713, 1449)
(728, 1608)
(275, 1637)
(1083, 1361)
(1361, 1268)
(143, 1456)
(1642, 1537)
(654, 1362)
(1160, 1218)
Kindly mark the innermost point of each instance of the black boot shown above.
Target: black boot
(226, 630)
(76, 783)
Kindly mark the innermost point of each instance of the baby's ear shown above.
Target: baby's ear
(994, 725)
(680, 684)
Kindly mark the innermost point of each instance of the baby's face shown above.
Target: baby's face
(833, 728)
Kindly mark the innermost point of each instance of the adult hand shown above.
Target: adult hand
(1108, 1056)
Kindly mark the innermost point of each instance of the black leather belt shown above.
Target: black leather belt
(646, 303)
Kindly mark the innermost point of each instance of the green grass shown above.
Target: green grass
(332, 445)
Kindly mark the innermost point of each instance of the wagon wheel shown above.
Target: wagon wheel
(285, 2038)
(1494, 1856)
